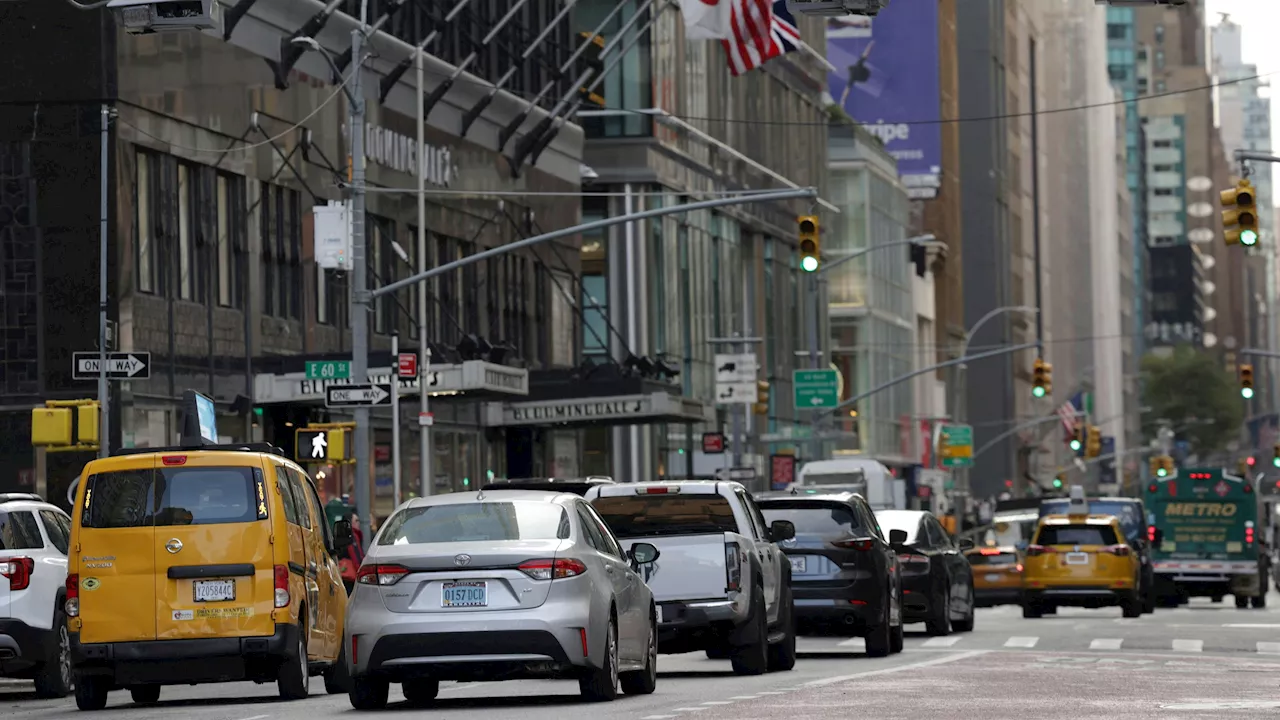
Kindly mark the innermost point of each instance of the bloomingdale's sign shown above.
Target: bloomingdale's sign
(399, 152)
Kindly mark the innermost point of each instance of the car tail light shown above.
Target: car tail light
(381, 575)
(552, 569)
(18, 570)
(1248, 488)
(174, 460)
(732, 568)
(1018, 567)
(663, 490)
(1152, 488)
(1151, 533)
(1119, 550)
(989, 551)
(72, 605)
(355, 649)
(919, 560)
(1248, 534)
(282, 586)
(1034, 550)
(856, 544)
(582, 633)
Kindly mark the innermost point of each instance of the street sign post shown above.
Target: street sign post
(736, 378)
(328, 369)
(955, 446)
(816, 389)
(120, 365)
(357, 395)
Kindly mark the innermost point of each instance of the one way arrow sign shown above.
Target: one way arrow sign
(120, 366)
(357, 395)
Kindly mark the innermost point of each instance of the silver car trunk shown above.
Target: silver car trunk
(465, 577)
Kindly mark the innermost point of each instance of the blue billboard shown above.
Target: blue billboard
(888, 80)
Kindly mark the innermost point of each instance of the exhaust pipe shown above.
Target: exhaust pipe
(848, 620)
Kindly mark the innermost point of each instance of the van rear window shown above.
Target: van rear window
(631, 516)
(174, 496)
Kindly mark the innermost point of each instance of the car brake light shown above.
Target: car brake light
(381, 575)
(1248, 488)
(1152, 488)
(282, 586)
(989, 551)
(732, 568)
(856, 544)
(913, 559)
(552, 569)
(1119, 550)
(1248, 534)
(174, 460)
(1151, 533)
(18, 570)
(1035, 550)
(72, 605)
(664, 490)
(1018, 567)
(582, 632)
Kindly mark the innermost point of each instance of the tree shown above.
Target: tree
(1193, 393)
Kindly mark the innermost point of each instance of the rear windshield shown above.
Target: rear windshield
(174, 496)
(823, 519)
(632, 516)
(19, 531)
(996, 559)
(1128, 513)
(476, 522)
(1076, 535)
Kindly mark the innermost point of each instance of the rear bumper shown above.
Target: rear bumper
(174, 662)
(692, 625)
(21, 644)
(854, 604)
(1079, 595)
(917, 597)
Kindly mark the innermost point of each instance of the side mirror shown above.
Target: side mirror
(643, 553)
(897, 537)
(343, 536)
(781, 530)
(966, 544)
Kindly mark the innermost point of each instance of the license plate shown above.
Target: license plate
(994, 577)
(659, 609)
(215, 590)
(465, 594)
(798, 564)
(1077, 558)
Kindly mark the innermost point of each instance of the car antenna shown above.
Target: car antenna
(480, 494)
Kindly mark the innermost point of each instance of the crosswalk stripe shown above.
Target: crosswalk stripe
(1106, 644)
(1269, 648)
(941, 642)
(1021, 642)
(1188, 645)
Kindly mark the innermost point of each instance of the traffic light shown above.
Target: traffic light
(1077, 439)
(810, 244)
(1057, 483)
(1093, 442)
(1041, 378)
(1156, 466)
(1275, 456)
(66, 425)
(1246, 381)
(1240, 219)
(761, 406)
(1161, 467)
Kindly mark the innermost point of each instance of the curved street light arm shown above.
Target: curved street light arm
(903, 378)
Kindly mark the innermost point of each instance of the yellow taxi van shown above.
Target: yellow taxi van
(202, 563)
(1080, 559)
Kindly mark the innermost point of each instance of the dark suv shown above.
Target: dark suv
(843, 570)
(1132, 515)
(577, 486)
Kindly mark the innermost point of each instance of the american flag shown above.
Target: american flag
(762, 30)
(1067, 411)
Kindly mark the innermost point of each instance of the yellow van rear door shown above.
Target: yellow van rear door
(111, 550)
(213, 555)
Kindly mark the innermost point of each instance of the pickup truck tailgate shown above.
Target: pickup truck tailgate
(689, 567)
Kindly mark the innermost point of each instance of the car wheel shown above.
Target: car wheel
(601, 685)
(54, 679)
(420, 692)
(145, 694)
(294, 679)
(782, 656)
(337, 678)
(880, 636)
(939, 622)
(1242, 602)
(368, 693)
(753, 659)
(644, 682)
(1131, 606)
(91, 692)
(896, 636)
(965, 625)
(1148, 602)
(1031, 610)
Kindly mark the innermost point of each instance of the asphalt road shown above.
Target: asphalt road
(1199, 661)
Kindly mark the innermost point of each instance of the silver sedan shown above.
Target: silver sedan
(499, 585)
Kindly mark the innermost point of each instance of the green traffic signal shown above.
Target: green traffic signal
(1248, 238)
(1075, 445)
(1275, 461)
(1057, 483)
(1246, 393)
(1161, 472)
(1037, 391)
(809, 263)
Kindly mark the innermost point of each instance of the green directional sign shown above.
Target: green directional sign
(955, 446)
(328, 369)
(816, 389)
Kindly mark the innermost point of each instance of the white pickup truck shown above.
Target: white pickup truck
(721, 583)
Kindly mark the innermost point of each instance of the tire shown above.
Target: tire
(91, 692)
(145, 694)
(965, 625)
(782, 656)
(1148, 602)
(1031, 610)
(1259, 601)
(1242, 602)
(644, 682)
(1049, 609)
(337, 678)
(1131, 606)
(601, 685)
(420, 692)
(718, 653)
(1216, 599)
(53, 677)
(753, 659)
(880, 636)
(939, 623)
(294, 679)
(368, 693)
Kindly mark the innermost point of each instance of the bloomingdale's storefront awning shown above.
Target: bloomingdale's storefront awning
(653, 407)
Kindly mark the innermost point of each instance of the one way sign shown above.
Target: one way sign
(357, 395)
(120, 366)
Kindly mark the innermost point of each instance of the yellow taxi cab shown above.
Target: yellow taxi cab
(1080, 560)
(997, 575)
(202, 563)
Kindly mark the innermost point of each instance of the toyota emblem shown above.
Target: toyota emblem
(173, 546)
(462, 560)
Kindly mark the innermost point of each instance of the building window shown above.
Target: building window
(595, 312)
(1117, 32)
(1162, 143)
(145, 229)
(1160, 86)
(629, 84)
(563, 347)
(282, 251)
(1159, 34)
(186, 232)
(230, 239)
(225, 254)
(1166, 192)
(1159, 59)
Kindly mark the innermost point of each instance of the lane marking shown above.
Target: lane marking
(688, 709)
(771, 692)
(853, 643)
(900, 668)
(1194, 646)
(1269, 648)
(1252, 625)
(1021, 642)
(256, 717)
(743, 697)
(941, 642)
(657, 717)
(1106, 644)
(717, 702)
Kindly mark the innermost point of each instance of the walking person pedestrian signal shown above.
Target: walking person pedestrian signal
(318, 445)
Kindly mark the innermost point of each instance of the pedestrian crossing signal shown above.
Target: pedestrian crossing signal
(319, 446)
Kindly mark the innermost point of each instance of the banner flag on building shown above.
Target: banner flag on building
(752, 31)
(707, 19)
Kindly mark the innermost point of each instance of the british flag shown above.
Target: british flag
(762, 30)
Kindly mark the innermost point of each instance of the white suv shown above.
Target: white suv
(34, 539)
